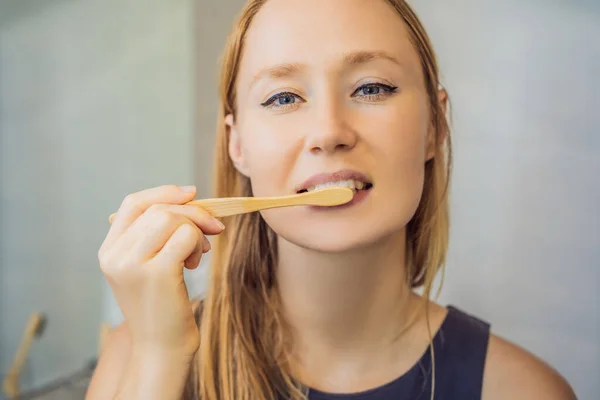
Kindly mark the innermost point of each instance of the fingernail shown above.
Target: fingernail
(219, 224)
(207, 246)
(188, 189)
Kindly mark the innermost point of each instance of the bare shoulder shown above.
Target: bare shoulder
(513, 373)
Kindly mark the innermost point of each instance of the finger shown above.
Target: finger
(136, 204)
(149, 233)
(203, 246)
(194, 259)
(208, 224)
(185, 242)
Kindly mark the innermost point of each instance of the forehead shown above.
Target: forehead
(320, 32)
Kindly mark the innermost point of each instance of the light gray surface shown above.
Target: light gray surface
(525, 242)
(96, 100)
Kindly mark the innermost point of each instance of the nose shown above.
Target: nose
(332, 132)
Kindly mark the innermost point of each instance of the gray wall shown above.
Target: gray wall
(96, 100)
(525, 242)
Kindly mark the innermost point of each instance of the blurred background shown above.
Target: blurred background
(102, 98)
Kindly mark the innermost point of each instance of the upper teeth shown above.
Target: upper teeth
(350, 183)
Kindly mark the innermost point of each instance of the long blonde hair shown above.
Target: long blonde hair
(243, 352)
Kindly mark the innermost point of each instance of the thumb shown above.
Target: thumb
(188, 191)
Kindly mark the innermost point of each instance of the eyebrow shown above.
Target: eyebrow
(353, 58)
(278, 72)
(361, 57)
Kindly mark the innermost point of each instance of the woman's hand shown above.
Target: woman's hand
(153, 237)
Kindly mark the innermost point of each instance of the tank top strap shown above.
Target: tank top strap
(460, 354)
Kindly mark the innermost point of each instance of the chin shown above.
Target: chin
(331, 235)
(331, 245)
(370, 223)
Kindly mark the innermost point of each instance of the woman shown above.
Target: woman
(303, 302)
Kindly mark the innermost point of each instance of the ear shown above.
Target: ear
(432, 140)
(235, 146)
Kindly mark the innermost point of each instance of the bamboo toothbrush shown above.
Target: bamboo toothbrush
(224, 207)
(34, 330)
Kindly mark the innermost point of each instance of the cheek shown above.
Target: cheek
(399, 145)
(406, 128)
(270, 149)
(400, 137)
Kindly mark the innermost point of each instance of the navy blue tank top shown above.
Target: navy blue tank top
(460, 351)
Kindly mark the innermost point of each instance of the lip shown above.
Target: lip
(342, 175)
(359, 197)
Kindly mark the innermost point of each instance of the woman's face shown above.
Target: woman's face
(332, 90)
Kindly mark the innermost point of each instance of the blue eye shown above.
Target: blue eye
(371, 90)
(374, 90)
(281, 100)
(286, 99)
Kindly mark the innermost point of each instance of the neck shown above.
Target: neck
(356, 302)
